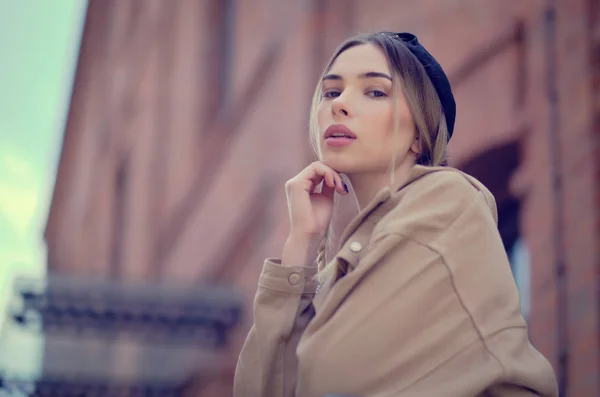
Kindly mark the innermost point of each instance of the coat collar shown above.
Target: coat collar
(385, 197)
(416, 172)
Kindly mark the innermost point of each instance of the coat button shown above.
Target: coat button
(355, 246)
(294, 278)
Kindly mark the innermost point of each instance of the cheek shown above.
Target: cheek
(380, 126)
(384, 120)
(388, 143)
(402, 122)
(406, 120)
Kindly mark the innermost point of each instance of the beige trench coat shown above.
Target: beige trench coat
(427, 306)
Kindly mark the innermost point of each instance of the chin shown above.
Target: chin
(342, 164)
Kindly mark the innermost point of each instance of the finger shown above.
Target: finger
(331, 176)
(330, 179)
(338, 182)
(309, 179)
(316, 180)
(340, 185)
(310, 186)
(320, 172)
(328, 191)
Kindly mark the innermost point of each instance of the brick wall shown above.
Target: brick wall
(187, 117)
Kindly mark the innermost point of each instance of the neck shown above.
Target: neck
(366, 185)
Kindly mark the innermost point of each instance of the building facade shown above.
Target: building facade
(188, 116)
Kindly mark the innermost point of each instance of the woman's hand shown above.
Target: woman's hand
(310, 212)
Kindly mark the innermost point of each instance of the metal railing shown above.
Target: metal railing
(115, 339)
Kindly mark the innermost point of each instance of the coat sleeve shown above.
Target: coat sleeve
(434, 315)
(267, 365)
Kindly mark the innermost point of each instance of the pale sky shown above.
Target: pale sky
(39, 42)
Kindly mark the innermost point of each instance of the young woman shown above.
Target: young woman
(419, 300)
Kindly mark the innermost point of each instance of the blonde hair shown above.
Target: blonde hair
(423, 103)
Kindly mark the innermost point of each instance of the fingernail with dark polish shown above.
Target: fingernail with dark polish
(345, 187)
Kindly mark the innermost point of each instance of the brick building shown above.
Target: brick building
(187, 117)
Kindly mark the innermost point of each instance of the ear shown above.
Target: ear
(416, 145)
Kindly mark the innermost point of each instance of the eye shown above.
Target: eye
(376, 94)
(331, 94)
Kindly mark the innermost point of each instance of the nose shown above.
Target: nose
(339, 107)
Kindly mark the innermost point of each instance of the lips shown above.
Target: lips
(339, 131)
(338, 135)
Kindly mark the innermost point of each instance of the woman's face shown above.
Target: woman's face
(356, 115)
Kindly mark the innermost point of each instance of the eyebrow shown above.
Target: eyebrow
(367, 75)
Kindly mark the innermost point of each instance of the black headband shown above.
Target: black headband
(436, 75)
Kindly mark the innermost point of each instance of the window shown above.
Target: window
(520, 265)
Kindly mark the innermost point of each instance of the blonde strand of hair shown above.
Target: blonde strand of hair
(321, 253)
(326, 270)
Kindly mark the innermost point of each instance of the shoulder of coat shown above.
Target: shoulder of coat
(444, 183)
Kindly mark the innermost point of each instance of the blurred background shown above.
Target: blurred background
(150, 140)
